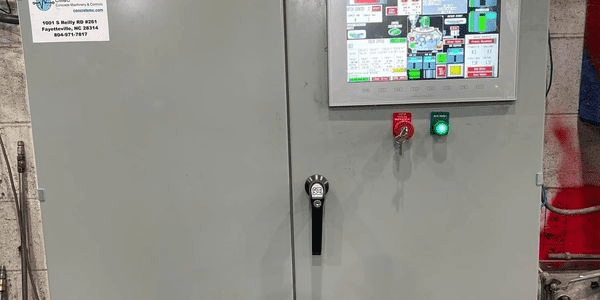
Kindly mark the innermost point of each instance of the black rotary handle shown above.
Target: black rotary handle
(317, 187)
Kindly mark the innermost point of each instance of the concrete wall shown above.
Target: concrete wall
(15, 125)
(579, 163)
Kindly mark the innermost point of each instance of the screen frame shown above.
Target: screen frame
(343, 93)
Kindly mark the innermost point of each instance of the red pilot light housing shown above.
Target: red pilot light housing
(400, 120)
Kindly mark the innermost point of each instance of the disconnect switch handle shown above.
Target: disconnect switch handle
(316, 187)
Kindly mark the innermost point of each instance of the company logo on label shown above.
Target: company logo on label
(43, 5)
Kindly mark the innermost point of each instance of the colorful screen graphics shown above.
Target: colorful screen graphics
(393, 40)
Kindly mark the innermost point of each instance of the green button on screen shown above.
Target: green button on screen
(442, 58)
(360, 79)
(414, 74)
(398, 40)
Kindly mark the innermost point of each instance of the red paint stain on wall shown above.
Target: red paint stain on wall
(579, 234)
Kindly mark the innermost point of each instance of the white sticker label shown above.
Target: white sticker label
(317, 191)
(68, 20)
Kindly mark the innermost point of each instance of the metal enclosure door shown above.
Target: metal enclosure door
(164, 153)
(446, 220)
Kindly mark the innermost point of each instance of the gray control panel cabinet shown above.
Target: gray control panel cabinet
(174, 158)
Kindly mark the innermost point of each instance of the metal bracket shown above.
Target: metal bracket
(539, 179)
(41, 195)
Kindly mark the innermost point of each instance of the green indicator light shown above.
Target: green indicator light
(440, 123)
(441, 128)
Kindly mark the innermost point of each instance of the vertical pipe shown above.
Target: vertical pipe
(23, 212)
(24, 229)
(3, 294)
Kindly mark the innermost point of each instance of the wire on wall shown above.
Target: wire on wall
(9, 12)
(6, 16)
(569, 212)
(549, 84)
(21, 220)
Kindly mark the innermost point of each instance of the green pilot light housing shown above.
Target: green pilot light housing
(440, 123)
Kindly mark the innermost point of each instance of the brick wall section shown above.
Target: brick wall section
(567, 25)
(15, 125)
